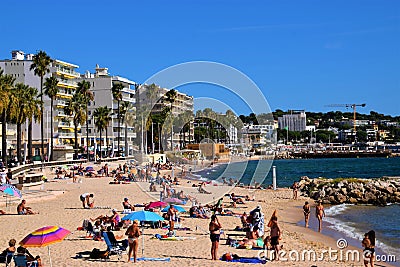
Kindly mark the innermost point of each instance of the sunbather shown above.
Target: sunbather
(127, 205)
(24, 210)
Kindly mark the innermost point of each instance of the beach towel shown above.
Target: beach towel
(173, 238)
(246, 260)
(152, 259)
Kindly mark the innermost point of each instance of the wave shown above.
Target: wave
(337, 209)
(350, 230)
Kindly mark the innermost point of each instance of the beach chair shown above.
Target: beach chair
(21, 261)
(9, 257)
(114, 249)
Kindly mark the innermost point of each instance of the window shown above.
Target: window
(89, 112)
(93, 84)
(90, 131)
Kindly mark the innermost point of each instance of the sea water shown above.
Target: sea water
(352, 221)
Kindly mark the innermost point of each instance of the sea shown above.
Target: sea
(348, 221)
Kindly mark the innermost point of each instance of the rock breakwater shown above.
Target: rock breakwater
(378, 192)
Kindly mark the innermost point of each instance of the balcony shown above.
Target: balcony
(67, 83)
(62, 114)
(61, 103)
(66, 135)
(67, 72)
(64, 94)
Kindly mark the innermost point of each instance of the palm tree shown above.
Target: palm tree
(6, 84)
(25, 105)
(51, 90)
(40, 65)
(33, 111)
(170, 97)
(76, 108)
(84, 89)
(127, 116)
(102, 116)
(117, 95)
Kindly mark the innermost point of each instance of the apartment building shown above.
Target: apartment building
(101, 82)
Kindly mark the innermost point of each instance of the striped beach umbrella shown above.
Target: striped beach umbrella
(10, 190)
(45, 236)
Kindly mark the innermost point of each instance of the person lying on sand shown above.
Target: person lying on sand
(2, 212)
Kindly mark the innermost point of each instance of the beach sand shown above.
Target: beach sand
(59, 205)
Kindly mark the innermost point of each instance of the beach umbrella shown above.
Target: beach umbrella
(173, 200)
(89, 169)
(11, 190)
(143, 216)
(45, 236)
(178, 208)
(156, 204)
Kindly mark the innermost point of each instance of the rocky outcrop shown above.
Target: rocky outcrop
(351, 190)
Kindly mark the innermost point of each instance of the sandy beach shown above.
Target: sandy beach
(59, 205)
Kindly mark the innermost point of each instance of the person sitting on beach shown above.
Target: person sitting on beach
(114, 241)
(202, 190)
(306, 211)
(218, 206)
(127, 205)
(10, 250)
(2, 212)
(243, 220)
(32, 261)
(369, 248)
(24, 210)
(85, 198)
(153, 187)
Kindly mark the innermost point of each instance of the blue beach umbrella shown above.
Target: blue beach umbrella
(178, 208)
(143, 216)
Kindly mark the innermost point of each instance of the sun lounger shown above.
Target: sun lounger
(113, 248)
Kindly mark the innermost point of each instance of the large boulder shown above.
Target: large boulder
(341, 198)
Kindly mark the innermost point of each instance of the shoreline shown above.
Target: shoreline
(64, 209)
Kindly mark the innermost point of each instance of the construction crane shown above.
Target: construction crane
(353, 106)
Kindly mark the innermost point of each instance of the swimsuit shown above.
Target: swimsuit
(275, 240)
(214, 237)
(132, 239)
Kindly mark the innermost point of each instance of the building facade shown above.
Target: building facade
(295, 121)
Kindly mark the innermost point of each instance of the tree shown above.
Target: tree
(170, 97)
(76, 109)
(101, 115)
(84, 89)
(33, 112)
(6, 84)
(40, 65)
(117, 95)
(51, 90)
(25, 106)
(128, 117)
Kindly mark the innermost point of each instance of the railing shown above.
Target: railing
(66, 135)
(61, 103)
(68, 71)
(67, 82)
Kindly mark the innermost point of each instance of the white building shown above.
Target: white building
(295, 121)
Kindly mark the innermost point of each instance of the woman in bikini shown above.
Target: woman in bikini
(369, 248)
(133, 234)
(214, 228)
(320, 213)
(306, 211)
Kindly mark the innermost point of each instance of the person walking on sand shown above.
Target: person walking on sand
(133, 234)
(369, 248)
(306, 211)
(295, 188)
(275, 235)
(215, 228)
(320, 213)
(85, 198)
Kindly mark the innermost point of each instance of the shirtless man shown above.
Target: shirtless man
(306, 211)
(23, 210)
(320, 213)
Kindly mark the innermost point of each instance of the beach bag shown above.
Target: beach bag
(97, 254)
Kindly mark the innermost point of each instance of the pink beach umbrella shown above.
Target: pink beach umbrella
(45, 236)
(156, 204)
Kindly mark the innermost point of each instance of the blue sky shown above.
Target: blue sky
(301, 54)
